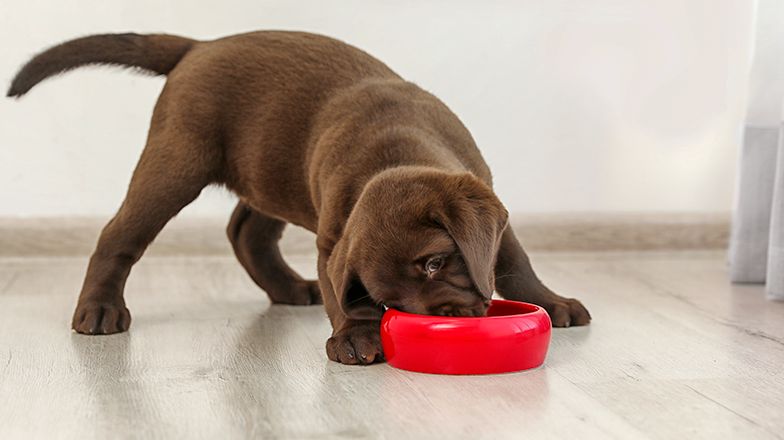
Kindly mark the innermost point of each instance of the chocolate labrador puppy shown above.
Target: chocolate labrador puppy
(308, 130)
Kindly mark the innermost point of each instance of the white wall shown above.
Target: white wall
(607, 105)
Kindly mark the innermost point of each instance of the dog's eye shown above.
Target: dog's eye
(434, 265)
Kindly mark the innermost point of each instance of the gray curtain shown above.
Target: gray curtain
(757, 241)
(756, 252)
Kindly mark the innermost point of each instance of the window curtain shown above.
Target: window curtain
(756, 253)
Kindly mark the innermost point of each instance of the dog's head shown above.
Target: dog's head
(422, 241)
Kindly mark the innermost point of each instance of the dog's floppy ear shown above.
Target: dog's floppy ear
(351, 295)
(475, 219)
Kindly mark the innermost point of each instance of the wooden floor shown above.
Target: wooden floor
(674, 352)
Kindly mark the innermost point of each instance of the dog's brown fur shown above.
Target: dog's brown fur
(309, 130)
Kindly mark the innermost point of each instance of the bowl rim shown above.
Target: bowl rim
(533, 310)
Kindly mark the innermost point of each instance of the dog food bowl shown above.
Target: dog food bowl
(514, 336)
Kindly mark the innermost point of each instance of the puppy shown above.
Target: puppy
(308, 130)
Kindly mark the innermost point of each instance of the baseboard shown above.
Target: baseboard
(622, 231)
(546, 232)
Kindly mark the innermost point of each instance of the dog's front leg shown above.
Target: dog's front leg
(353, 341)
(515, 279)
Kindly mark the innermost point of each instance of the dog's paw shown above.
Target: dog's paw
(359, 344)
(100, 318)
(301, 293)
(566, 312)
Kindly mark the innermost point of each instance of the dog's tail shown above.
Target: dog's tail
(157, 54)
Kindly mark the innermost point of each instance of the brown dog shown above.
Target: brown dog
(309, 130)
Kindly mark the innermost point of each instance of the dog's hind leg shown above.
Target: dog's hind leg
(254, 237)
(173, 169)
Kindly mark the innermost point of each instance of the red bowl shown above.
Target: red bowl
(514, 336)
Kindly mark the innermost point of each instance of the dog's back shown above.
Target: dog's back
(278, 110)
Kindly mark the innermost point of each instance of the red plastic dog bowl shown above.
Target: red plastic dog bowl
(514, 336)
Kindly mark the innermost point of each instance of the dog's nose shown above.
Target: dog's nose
(393, 305)
(453, 310)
